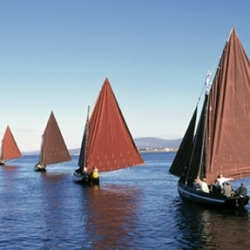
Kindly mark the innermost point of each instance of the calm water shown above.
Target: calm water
(135, 208)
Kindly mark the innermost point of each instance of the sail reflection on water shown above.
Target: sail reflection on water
(10, 169)
(52, 203)
(111, 216)
(201, 228)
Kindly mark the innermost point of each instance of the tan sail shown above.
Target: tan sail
(53, 148)
(10, 149)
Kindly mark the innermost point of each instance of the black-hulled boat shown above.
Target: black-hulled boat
(220, 143)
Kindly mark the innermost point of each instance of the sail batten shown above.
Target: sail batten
(110, 144)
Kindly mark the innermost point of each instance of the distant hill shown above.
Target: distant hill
(141, 143)
(35, 152)
(147, 142)
(154, 142)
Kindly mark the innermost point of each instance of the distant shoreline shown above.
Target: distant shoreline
(144, 144)
(143, 150)
(153, 150)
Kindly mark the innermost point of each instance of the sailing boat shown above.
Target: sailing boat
(220, 144)
(107, 143)
(9, 148)
(53, 148)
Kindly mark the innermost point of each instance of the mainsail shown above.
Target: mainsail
(9, 149)
(110, 145)
(228, 123)
(53, 148)
(221, 143)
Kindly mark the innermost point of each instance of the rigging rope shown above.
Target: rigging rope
(205, 86)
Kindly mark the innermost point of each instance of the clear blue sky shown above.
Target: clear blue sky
(55, 55)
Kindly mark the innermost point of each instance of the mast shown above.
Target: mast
(208, 85)
(83, 157)
(199, 136)
(190, 161)
(85, 164)
(41, 153)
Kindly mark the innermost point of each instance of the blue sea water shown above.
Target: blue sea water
(133, 208)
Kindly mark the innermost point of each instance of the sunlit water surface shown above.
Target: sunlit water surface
(134, 208)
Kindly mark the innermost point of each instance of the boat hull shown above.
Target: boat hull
(39, 168)
(189, 194)
(85, 179)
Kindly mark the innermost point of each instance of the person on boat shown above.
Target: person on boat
(227, 189)
(241, 191)
(196, 185)
(221, 180)
(39, 166)
(95, 173)
(204, 186)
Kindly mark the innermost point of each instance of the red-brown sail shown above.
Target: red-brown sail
(110, 145)
(10, 149)
(53, 149)
(221, 142)
(228, 123)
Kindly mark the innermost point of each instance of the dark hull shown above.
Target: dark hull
(39, 168)
(85, 179)
(189, 194)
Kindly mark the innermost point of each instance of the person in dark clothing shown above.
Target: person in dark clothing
(241, 191)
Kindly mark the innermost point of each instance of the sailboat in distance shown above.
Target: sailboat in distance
(9, 148)
(107, 143)
(53, 147)
(219, 144)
